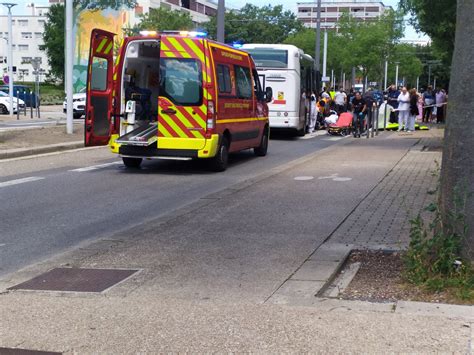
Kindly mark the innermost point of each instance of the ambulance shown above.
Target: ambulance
(174, 95)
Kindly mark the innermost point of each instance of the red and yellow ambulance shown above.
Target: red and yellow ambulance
(174, 96)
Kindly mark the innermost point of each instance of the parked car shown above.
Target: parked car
(78, 104)
(5, 104)
(25, 93)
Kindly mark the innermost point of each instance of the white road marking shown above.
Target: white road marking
(304, 178)
(20, 181)
(314, 135)
(96, 167)
(335, 177)
(2, 245)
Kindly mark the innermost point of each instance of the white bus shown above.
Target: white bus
(290, 73)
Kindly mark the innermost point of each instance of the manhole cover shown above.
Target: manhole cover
(14, 351)
(75, 280)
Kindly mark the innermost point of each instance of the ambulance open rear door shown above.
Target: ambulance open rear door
(99, 88)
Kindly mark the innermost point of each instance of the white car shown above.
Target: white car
(5, 103)
(78, 104)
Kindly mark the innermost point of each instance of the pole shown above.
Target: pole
(317, 59)
(220, 21)
(343, 81)
(10, 54)
(385, 76)
(325, 52)
(69, 63)
(429, 74)
(396, 76)
(353, 77)
(417, 83)
(332, 78)
(434, 83)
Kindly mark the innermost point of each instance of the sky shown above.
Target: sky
(410, 33)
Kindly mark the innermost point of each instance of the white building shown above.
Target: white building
(27, 37)
(331, 11)
(200, 10)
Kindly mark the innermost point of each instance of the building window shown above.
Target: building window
(41, 22)
(24, 71)
(23, 47)
(38, 35)
(23, 23)
(26, 35)
(3, 59)
(39, 60)
(26, 60)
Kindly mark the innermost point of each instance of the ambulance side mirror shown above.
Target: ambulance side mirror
(268, 94)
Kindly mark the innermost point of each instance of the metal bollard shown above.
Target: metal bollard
(31, 103)
(372, 133)
(17, 105)
(377, 120)
(385, 116)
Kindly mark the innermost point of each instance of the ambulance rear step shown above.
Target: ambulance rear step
(144, 135)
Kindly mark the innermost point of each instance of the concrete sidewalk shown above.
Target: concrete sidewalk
(237, 270)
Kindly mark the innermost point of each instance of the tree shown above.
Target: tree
(410, 66)
(161, 19)
(441, 28)
(457, 169)
(253, 24)
(53, 38)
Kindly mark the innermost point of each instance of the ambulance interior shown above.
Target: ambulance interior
(140, 87)
(141, 78)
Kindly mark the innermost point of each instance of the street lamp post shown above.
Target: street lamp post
(10, 54)
(317, 60)
(220, 21)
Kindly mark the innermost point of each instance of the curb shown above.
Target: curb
(21, 152)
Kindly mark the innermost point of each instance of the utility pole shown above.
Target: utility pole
(10, 54)
(429, 74)
(396, 74)
(385, 76)
(317, 60)
(220, 21)
(69, 63)
(325, 53)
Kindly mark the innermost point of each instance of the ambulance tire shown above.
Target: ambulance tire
(132, 162)
(220, 161)
(261, 150)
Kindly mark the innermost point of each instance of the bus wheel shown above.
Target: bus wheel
(301, 132)
(220, 161)
(261, 150)
(132, 162)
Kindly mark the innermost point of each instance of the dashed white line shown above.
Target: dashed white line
(20, 181)
(95, 167)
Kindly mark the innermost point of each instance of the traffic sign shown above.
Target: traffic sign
(325, 78)
(6, 79)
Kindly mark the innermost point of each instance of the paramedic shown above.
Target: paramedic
(403, 109)
(313, 113)
(359, 107)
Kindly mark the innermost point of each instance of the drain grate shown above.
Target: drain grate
(15, 351)
(76, 280)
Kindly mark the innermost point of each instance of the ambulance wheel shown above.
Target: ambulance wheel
(261, 150)
(3, 109)
(132, 162)
(220, 161)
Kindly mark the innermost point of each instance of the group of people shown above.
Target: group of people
(429, 104)
(407, 104)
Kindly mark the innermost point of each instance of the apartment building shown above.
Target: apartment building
(331, 11)
(27, 37)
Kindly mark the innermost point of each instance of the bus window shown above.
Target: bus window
(269, 57)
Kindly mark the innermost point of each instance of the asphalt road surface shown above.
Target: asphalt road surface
(55, 202)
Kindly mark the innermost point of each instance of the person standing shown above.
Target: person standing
(413, 111)
(428, 101)
(370, 104)
(313, 113)
(392, 100)
(440, 103)
(403, 109)
(359, 107)
(341, 99)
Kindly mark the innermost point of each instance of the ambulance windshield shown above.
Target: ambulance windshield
(181, 81)
(269, 57)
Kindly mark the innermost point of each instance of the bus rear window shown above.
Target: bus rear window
(181, 81)
(269, 57)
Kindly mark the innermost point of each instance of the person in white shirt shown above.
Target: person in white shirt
(340, 99)
(403, 109)
(313, 113)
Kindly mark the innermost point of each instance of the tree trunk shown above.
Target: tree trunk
(457, 169)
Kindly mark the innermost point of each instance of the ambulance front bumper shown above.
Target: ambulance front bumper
(169, 148)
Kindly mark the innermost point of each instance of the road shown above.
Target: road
(55, 202)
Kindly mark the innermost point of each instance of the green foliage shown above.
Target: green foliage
(80, 5)
(433, 257)
(161, 19)
(436, 18)
(253, 24)
(53, 38)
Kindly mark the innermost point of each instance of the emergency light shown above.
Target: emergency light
(198, 34)
(148, 33)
